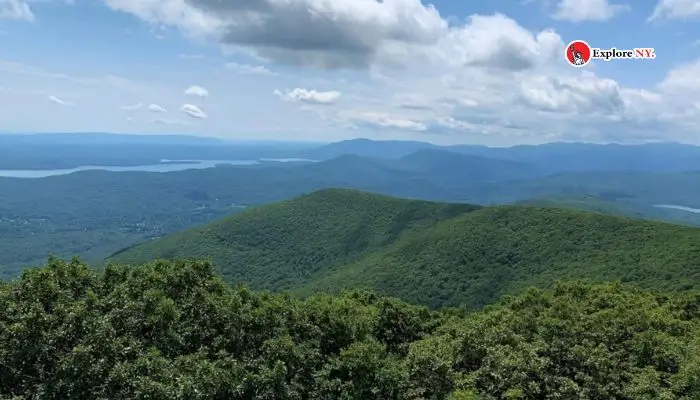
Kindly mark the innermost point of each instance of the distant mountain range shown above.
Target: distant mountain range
(95, 213)
(548, 158)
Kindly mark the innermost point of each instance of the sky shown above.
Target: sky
(481, 72)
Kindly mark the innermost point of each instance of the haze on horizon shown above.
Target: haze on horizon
(446, 72)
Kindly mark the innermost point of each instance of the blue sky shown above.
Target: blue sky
(490, 72)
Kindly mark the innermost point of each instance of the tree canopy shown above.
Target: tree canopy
(430, 253)
(175, 330)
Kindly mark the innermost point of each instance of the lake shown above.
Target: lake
(681, 208)
(164, 166)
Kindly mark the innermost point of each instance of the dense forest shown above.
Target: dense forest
(177, 331)
(430, 253)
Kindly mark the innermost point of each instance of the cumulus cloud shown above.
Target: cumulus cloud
(132, 107)
(58, 101)
(676, 9)
(308, 96)
(584, 94)
(331, 34)
(683, 78)
(588, 10)
(15, 9)
(385, 120)
(193, 111)
(156, 108)
(246, 69)
(196, 90)
(485, 76)
(496, 41)
(178, 13)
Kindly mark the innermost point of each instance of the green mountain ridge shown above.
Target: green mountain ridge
(430, 253)
(632, 209)
(584, 202)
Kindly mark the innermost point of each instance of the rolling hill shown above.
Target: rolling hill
(430, 253)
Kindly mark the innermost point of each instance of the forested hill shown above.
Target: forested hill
(176, 331)
(430, 253)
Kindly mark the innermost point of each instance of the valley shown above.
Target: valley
(95, 213)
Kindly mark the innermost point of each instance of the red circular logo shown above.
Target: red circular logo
(578, 53)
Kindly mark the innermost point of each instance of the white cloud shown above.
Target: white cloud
(156, 108)
(329, 34)
(193, 111)
(588, 10)
(58, 101)
(495, 41)
(683, 79)
(384, 120)
(196, 90)
(585, 94)
(308, 96)
(246, 69)
(132, 106)
(676, 9)
(484, 79)
(15, 9)
(169, 12)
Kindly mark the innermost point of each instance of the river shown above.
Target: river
(681, 208)
(164, 166)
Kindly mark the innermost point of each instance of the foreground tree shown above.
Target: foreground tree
(174, 330)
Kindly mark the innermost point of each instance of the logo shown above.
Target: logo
(579, 53)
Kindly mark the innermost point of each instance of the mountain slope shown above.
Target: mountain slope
(452, 168)
(432, 253)
(384, 149)
(583, 202)
(284, 245)
(628, 208)
(476, 257)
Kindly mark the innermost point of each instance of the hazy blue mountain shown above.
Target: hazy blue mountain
(557, 157)
(369, 148)
(99, 138)
(549, 158)
(450, 167)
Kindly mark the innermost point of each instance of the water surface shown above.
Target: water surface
(164, 166)
(681, 208)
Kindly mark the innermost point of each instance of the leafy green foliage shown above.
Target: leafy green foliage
(617, 207)
(174, 330)
(430, 253)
